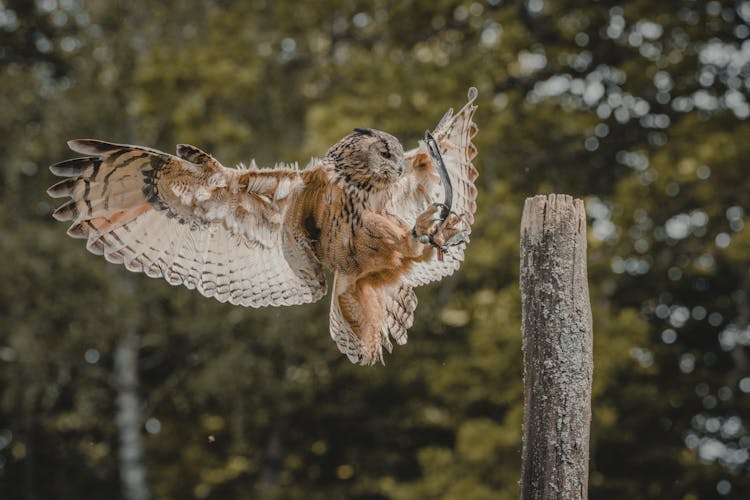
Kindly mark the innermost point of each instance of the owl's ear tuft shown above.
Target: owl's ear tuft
(364, 131)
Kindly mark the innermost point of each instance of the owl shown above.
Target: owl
(372, 214)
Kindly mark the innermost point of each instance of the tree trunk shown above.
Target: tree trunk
(557, 349)
(132, 471)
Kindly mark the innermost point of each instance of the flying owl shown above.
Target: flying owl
(368, 211)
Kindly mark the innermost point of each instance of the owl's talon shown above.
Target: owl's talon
(440, 232)
(455, 240)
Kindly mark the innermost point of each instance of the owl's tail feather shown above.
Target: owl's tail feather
(366, 314)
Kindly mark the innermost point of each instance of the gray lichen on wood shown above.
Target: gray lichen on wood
(557, 348)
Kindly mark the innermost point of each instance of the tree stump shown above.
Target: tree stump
(557, 349)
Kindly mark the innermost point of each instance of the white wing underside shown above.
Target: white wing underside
(210, 259)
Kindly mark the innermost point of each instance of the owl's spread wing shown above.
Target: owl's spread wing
(225, 232)
(366, 314)
(420, 186)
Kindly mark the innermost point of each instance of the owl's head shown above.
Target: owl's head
(368, 159)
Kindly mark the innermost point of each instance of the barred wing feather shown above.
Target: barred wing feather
(188, 219)
(421, 186)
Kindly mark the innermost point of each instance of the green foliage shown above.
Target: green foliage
(639, 107)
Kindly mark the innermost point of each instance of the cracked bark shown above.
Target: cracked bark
(557, 349)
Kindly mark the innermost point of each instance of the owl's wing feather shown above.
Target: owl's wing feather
(420, 186)
(192, 221)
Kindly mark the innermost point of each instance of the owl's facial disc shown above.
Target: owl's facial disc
(386, 160)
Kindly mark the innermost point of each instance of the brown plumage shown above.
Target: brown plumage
(260, 237)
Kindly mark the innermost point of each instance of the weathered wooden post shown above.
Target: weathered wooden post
(557, 349)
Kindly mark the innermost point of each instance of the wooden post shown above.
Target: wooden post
(557, 349)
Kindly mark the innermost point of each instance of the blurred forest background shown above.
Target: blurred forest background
(640, 107)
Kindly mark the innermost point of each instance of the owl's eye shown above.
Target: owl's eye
(386, 154)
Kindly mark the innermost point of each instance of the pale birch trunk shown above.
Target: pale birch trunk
(128, 419)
